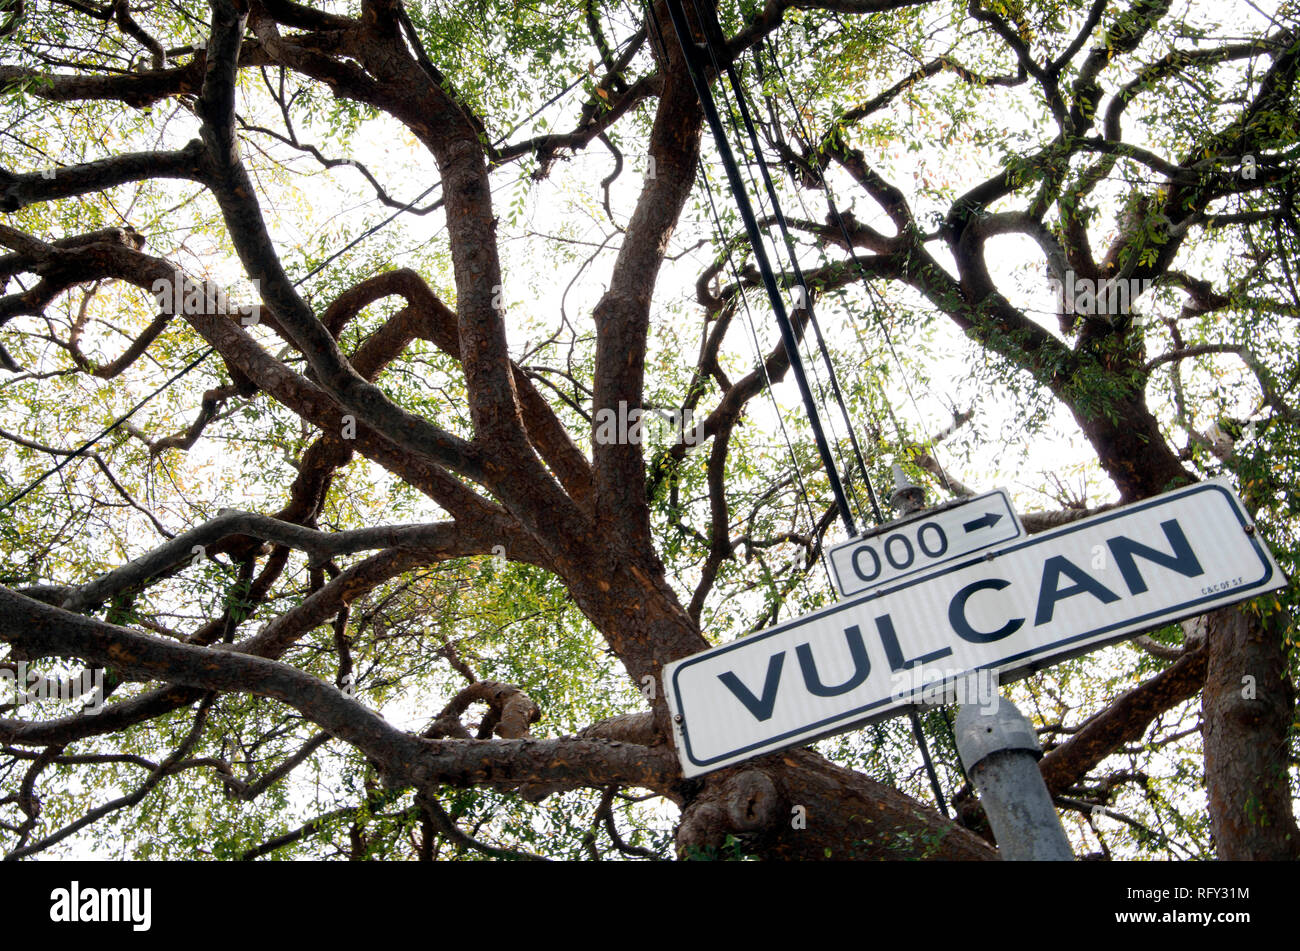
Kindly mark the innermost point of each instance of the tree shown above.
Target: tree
(359, 541)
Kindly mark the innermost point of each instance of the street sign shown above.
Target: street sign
(912, 545)
(1009, 610)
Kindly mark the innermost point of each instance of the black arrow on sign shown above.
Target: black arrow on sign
(987, 520)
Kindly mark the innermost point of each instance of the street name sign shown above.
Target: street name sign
(1010, 609)
(912, 545)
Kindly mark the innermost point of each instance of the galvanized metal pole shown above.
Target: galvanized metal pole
(907, 499)
(1000, 752)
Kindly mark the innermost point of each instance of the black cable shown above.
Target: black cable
(749, 319)
(76, 453)
(820, 399)
(805, 140)
(689, 54)
(210, 350)
(705, 94)
(812, 365)
(712, 26)
(762, 365)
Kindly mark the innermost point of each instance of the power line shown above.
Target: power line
(804, 135)
(801, 285)
(690, 51)
(108, 429)
(374, 229)
(762, 365)
(705, 95)
(758, 350)
(782, 226)
(805, 300)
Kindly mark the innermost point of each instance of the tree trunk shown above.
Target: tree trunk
(841, 814)
(1131, 448)
(1247, 706)
(796, 805)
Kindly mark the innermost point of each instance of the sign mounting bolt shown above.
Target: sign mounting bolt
(1248, 528)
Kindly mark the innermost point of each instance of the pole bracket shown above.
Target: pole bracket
(980, 734)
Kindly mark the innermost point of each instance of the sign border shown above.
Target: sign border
(849, 720)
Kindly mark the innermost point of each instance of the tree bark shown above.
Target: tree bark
(798, 806)
(1248, 706)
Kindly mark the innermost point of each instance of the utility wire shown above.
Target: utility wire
(374, 229)
(118, 422)
(712, 26)
(762, 365)
(741, 102)
(690, 54)
(753, 332)
(805, 295)
(800, 285)
(804, 135)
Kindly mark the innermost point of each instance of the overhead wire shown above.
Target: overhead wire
(705, 95)
(804, 298)
(918, 732)
(689, 52)
(762, 366)
(753, 332)
(741, 98)
(804, 134)
(868, 356)
(367, 233)
(805, 137)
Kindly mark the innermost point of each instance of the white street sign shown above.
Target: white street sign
(912, 545)
(1011, 609)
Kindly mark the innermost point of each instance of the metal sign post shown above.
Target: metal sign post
(1000, 751)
